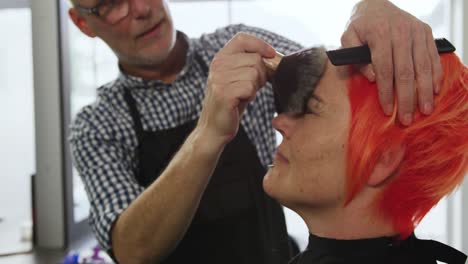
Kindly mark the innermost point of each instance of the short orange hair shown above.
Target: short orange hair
(436, 147)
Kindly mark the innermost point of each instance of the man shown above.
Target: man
(361, 180)
(154, 139)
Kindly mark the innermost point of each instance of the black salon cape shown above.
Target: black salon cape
(382, 250)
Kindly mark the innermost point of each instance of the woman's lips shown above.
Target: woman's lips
(280, 157)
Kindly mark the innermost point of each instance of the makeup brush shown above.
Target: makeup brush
(294, 78)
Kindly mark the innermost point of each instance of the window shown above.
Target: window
(92, 64)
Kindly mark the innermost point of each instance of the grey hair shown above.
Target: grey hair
(309, 72)
(296, 78)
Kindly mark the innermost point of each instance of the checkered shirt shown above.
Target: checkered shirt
(103, 138)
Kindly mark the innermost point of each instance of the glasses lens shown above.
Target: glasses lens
(113, 10)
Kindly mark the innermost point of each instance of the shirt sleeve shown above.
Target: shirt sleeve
(221, 36)
(280, 43)
(106, 169)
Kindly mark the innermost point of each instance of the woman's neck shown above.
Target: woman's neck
(357, 220)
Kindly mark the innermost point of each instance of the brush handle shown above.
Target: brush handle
(272, 64)
(362, 54)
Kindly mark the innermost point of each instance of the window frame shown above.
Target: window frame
(14, 4)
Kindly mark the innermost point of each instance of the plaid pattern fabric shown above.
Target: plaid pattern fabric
(103, 139)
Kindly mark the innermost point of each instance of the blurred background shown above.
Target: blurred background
(49, 70)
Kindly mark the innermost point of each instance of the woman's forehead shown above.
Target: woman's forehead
(333, 82)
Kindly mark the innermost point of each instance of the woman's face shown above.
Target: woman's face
(310, 163)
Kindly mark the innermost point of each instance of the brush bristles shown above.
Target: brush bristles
(296, 78)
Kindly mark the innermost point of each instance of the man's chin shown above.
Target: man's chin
(152, 60)
(154, 55)
(156, 52)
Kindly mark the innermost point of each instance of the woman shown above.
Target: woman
(362, 181)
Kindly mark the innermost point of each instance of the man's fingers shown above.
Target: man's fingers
(350, 39)
(243, 42)
(233, 82)
(402, 48)
(437, 70)
(228, 62)
(245, 91)
(241, 60)
(263, 71)
(382, 61)
(249, 74)
(423, 70)
(241, 93)
(404, 71)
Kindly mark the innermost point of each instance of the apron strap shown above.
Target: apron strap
(132, 104)
(134, 113)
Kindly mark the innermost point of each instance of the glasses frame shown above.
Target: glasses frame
(95, 10)
(91, 10)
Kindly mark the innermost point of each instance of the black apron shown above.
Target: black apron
(236, 222)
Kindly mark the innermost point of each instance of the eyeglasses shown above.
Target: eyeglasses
(111, 11)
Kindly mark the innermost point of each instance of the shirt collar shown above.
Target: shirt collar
(320, 246)
(375, 250)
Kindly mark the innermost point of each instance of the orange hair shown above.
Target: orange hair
(436, 147)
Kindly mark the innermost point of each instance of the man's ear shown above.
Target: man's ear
(387, 165)
(80, 22)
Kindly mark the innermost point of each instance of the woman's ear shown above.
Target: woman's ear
(80, 22)
(387, 165)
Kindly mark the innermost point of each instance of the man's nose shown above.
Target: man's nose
(139, 8)
(284, 124)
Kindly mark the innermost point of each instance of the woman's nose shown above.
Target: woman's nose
(284, 124)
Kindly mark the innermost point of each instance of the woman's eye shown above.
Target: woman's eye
(311, 112)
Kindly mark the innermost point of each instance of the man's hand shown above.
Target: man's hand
(236, 73)
(403, 50)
